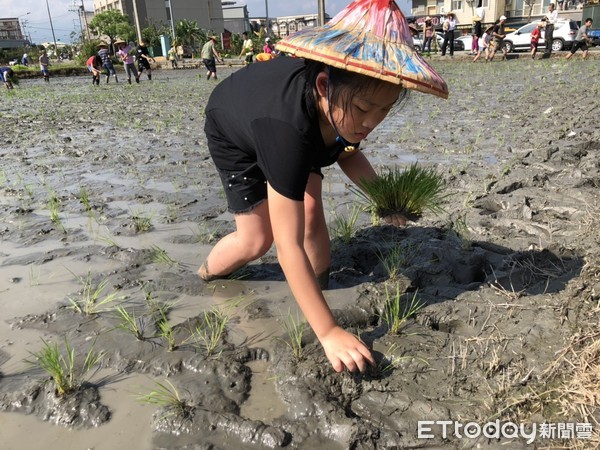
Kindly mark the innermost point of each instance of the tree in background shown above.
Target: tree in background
(151, 34)
(530, 4)
(113, 23)
(187, 33)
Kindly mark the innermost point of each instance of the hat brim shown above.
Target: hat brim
(370, 37)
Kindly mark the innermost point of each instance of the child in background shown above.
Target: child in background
(44, 64)
(104, 55)
(94, 65)
(6, 74)
(535, 38)
(128, 62)
(173, 57)
(484, 44)
(144, 58)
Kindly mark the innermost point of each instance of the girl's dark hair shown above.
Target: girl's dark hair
(345, 85)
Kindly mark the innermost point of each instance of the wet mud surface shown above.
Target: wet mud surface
(112, 186)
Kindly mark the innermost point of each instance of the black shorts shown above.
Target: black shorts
(247, 189)
(579, 45)
(143, 64)
(210, 64)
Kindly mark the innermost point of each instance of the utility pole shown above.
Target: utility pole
(321, 20)
(52, 28)
(267, 17)
(172, 20)
(87, 28)
(79, 10)
(137, 21)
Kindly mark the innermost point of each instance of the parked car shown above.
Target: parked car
(418, 42)
(467, 41)
(562, 38)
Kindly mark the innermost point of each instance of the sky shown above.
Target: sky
(65, 19)
(37, 22)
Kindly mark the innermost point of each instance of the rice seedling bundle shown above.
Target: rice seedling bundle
(408, 192)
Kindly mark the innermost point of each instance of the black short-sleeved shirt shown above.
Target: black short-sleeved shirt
(259, 116)
(142, 50)
(498, 29)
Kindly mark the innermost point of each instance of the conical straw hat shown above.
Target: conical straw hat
(370, 37)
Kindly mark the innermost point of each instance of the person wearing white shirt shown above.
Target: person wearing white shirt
(551, 17)
(477, 30)
(448, 26)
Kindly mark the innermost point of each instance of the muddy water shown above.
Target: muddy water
(126, 170)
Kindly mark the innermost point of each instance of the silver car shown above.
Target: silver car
(562, 38)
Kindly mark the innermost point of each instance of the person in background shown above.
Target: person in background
(25, 59)
(107, 64)
(483, 44)
(314, 110)
(44, 65)
(143, 58)
(535, 38)
(128, 64)
(173, 57)
(498, 34)
(477, 27)
(6, 74)
(210, 56)
(94, 66)
(268, 47)
(551, 17)
(428, 34)
(582, 39)
(247, 49)
(449, 26)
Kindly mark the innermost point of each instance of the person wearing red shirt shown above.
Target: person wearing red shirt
(535, 39)
(94, 65)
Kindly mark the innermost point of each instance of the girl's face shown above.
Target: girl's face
(357, 116)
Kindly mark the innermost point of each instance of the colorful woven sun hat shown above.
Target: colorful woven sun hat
(370, 37)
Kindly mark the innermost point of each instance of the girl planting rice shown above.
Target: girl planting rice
(314, 110)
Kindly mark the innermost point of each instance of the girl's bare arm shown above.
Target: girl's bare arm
(287, 221)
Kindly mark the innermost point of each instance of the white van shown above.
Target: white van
(562, 38)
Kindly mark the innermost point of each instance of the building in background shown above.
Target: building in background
(11, 34)
(208, 14)
(286, 25)
(235, 18)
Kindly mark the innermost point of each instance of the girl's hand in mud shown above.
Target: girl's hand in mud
(343, 349)
(397, 220)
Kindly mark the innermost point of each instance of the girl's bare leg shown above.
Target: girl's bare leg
(251, 240)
